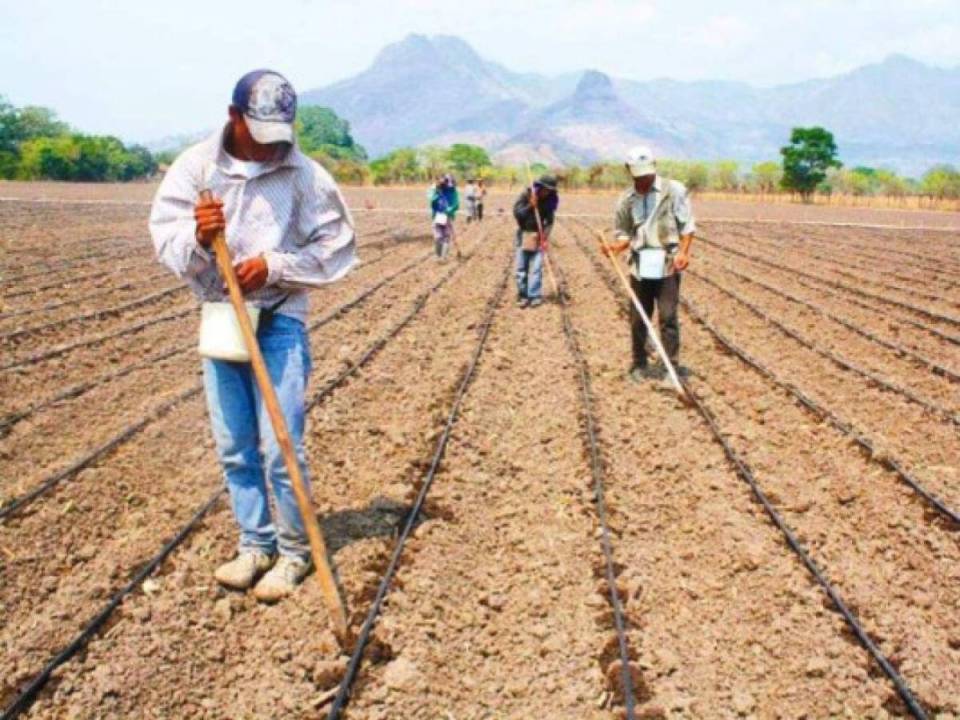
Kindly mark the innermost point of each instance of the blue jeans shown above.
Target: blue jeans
(529, 270)
(245, 441)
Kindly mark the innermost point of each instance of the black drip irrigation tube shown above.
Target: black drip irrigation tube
(823, 413)
(596, 470)
(898, 350)
(930, 407)
(91, 342)
(28, 696)
(98, 453)
(807, 403)
(744, 471)
(95, 315)
(356, 658)
(929, 314)
(11, 419)
(746, 474)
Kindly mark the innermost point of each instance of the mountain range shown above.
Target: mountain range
(898, 113)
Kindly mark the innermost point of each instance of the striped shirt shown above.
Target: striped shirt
(289, 211)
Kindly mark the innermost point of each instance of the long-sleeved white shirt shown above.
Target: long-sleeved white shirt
(290, 212)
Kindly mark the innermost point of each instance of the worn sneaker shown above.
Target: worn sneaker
(522, 302)
(241, 572)
(536, 302)
(639, 373)
(282, 579)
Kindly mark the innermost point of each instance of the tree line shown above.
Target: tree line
(36, 145)
(809, 166)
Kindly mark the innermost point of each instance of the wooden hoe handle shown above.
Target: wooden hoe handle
(318, 547)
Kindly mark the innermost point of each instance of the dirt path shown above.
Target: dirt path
(499, 613)
(178, 653)
(88, 535)
(725, 620)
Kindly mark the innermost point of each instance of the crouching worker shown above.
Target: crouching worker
(289, 229)
(654, 220)
(444, 203)
(530, 244)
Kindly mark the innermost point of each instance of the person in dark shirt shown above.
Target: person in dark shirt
(532, 237)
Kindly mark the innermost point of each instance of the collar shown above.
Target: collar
(657, 187)
(230, 165)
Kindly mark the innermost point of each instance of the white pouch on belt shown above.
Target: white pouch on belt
(652, 264)
(220, 336)
(440, 219)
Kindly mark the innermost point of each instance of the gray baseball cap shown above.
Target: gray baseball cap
(269, 105)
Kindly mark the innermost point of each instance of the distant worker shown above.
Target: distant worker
(481, 197)
(444, 203)
(471, 194)
(289, 230)
(654, 220)
(541, 199)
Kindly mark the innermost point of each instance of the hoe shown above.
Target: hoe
(318, 547)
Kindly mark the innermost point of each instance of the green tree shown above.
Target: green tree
(467, 160)
(891, 184)
(725, 176)
(399, 166)
(433, 162)
(767, 176)
(811, 152)
(696, 176)
(48, 158)
(320, 129)
(18, 125)
(941, 181)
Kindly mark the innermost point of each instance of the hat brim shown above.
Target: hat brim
(642, 169)
(266, 132)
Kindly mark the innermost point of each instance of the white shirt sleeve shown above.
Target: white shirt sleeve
(683, 211)
(172, 225)
(328, 250)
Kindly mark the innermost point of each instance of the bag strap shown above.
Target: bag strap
(276, 306)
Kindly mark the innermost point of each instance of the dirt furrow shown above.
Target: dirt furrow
(168, 622)
(927, 445)
(725, 619)
(879, 259)
(31, 383)
(492, 616)
(883, 274)
(733, 276)
(944, 322)
(869, 533)
(918, 335)
(839, 341)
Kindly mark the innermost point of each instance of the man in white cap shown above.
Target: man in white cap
(654, 220)
(288, 229)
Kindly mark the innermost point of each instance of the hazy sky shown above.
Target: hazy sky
(144, 70)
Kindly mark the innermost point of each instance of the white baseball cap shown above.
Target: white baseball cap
(640, 161)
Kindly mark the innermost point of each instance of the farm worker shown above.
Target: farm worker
(654, 220)
(289, 230)
(471, 193)
(530, 243)
(481, 195)
(444, 203)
